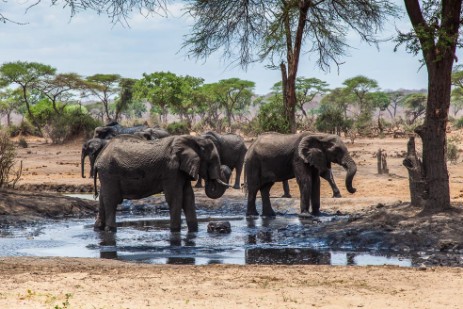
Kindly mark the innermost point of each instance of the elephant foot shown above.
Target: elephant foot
(316, 212)
(287, 195)
(269, 214)
(192, 227)
(236, 187)
(252, 213)
(337, 195)
(198, 185)
(110, 229)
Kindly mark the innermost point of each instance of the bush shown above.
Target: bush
(25, 128)
(70, 124)
(7, 161)
(271, 118)
(178, 128)
(453, 153)
(459, 123)
(23, 143)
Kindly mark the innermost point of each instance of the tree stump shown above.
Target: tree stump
(381, 157)
(416, 176)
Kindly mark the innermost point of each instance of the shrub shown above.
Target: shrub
(177, 128)
(459, 123)
(7, 161)
(452, 149)
(271, 117)
(23, 143)
(24, 128)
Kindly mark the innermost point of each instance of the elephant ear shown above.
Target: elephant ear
(188, 157)
(310, 151)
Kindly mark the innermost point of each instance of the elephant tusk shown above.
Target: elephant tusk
(223, 183)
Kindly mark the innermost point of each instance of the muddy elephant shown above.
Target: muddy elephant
(278, 157)
(133, 168)
(113, 129)
(232, 151)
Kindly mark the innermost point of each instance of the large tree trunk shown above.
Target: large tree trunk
(433, 135)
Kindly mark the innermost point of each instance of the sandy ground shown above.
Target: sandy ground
(92, 283)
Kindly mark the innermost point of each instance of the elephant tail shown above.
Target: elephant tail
(95, 176)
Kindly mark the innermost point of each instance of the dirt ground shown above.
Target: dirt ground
(379, 203)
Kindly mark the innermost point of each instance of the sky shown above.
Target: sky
(88, 44)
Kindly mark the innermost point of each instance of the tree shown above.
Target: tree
(457, 92)
(233, 95)
(435, 34)
(125, 99)
(29, 76)
(415, 104)
(10, 101)
(62, 88)
(280, 30)
(395, 100)
(158, 89)
(333, 117)
(104, 87)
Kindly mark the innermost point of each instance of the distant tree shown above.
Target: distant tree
(158, 89)
(415, 106)
(435, 35)
(28, 76)
(63, 89)
(395, 101)
(233, 95)
(104, 87)
(456, 100)
(333, 114)
(10, 101)
(280, 31)
(187, 101)
(270, 116)
(125, 98)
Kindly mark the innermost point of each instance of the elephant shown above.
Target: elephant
(152, 133)
(113, 129)
(304, 156)
(327, 175)
(91, 148)
(133, 168)
(232, 151)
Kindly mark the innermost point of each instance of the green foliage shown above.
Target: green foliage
(22, 142)
(178, 128)
(24, 128)
(332, 120)
(271, 116)
(7, 158)
(459, 123)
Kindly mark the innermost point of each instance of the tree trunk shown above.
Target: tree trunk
(415, 175)
(433, 135)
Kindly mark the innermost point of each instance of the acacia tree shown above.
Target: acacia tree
(105, 87)
(28, 76)
(280, 30)
(62, 88)
(457, 92)
(10, 101)
(435, 34)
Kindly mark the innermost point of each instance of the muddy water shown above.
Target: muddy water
(144, 236)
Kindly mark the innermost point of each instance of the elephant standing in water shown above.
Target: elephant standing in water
(93, 146)
(133, 168)
(232, 151)
(278, 157)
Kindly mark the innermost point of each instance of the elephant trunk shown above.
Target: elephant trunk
(82, 163)
(351, 168)
(215, 187)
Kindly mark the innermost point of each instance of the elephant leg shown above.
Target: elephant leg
(266, 205)
(315, 197)
(328, 176)
(100, 218)
(189, 208)
(251, 207)
(304, 190)
(199, 183)
(286, 192)
(175, 201)
(238, 170)
(111, 201)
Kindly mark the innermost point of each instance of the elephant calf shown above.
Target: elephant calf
(133, 168)
(278, 157)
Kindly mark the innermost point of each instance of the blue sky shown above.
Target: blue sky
(88, 44)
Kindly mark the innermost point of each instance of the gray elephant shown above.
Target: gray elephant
(152, 133)
(91, 149)
(327, 175)
(304, 156)
(113, 129)
(133, 168)
(232, 151)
